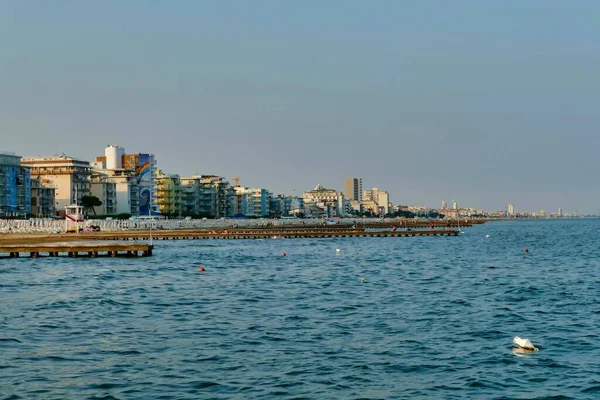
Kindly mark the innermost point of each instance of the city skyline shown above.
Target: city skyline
(485, 103)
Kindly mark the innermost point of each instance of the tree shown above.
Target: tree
(91, 202)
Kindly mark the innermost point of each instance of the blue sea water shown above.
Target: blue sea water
(435, 318)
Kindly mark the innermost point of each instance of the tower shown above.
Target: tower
(353, 189)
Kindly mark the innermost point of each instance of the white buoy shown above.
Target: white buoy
(524, 343)
(363, 280)
(338, 251)
(487, 236)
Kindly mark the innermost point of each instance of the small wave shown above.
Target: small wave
(209, 358)
(591, 389)
(123, 352)
(112, 302)
(205, 384)
(7, 340)
(105, 397)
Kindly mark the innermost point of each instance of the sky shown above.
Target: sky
(486, 103)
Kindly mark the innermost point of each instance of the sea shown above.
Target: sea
(335, 318)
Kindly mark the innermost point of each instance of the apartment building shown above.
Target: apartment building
(68, 176)
(15, 186)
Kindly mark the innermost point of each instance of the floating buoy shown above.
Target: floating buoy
(487, 236)
(201, 269)
(524, 343)
(283, 254)
(526, 250)
(363, 280)
(338, 251)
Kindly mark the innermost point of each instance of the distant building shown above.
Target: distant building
(105, 189)
(511, 210)
(207, 196)
(168, 194)
(322, 202)
(353, 189)
(141, 166)
(454, 205)
(15, 185)
(444, 205)
(252, 202)
(42, 198)
(376, 201)
(560, 212)
(68, 176)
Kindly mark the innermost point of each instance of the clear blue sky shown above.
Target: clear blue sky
(485, 102)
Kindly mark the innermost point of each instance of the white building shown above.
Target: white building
(322, 202)
(377, 201)
(511, 209)
(67, 175)
(143, 170)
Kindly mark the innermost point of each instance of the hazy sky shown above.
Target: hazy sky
(485, 102)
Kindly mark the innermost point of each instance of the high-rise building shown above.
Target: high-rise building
(353, 189)
(252, 202)
(207, 196)
(141, 167)
(454, 205)
(42, 198)
(444, 205)
(70, 177)
(511, 209)
(168, 194)
(323, 202)
(15, 185)
(560, 212)
(376, 201)
(105, 189)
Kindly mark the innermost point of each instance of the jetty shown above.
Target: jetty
(76, 249)
(259, 234)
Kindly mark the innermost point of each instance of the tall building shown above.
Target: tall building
(444, 205)
(105, 189)
(511, 209)
(252, 202)
(322, 202)
(377, 201)
(454, 205)
(140, 166)
(168, 194)
(15, 185)
(42, 198)
(560, 212)
(286, 205)
(70, 177)
(207, 196)
(353, 189)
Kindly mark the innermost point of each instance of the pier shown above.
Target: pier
(74, 250)
(260, 234)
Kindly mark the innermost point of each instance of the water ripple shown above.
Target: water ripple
(434, 319)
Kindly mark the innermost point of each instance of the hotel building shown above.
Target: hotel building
(15, 186)
(68, 176)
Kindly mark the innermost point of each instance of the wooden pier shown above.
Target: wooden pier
(76, 250)
(262, 234)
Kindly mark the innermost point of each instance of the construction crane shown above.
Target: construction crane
(236, 180)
